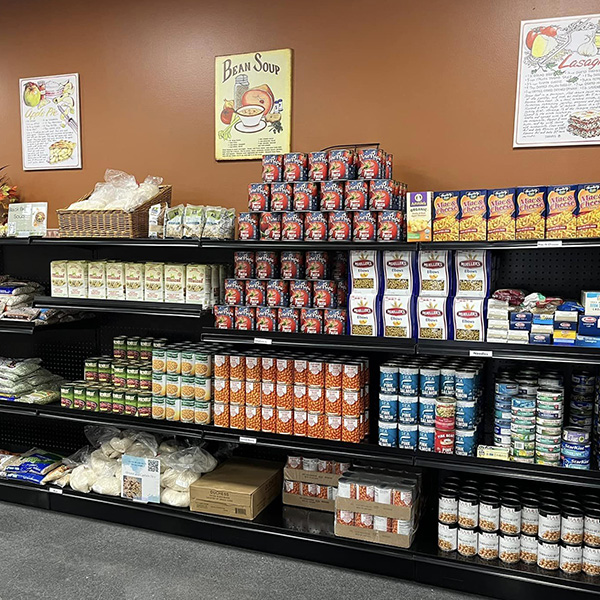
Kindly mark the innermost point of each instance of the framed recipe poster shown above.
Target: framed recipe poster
(50, 122)
(253, 104)
(558, 86)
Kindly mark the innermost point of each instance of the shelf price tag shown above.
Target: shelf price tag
(549, 244)
(266, 341)
(247, 440)
(54, 490)
(480, 353)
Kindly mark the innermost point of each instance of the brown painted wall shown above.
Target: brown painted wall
(433, 81)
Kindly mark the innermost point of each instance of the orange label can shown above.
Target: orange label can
(291, 487)
(221, 365)
(285, 396)
(351, 430)
(285, 370)
(221, 414)
(237, 367)
(300, 370)
(285, 421)
(268, 394)
(333, 401)
(300, 396)
(253, 368)
(300, 424)
(268, 419)
(253, 393)
(237, 392)
(351, 376)
(351, 403)
(237, 416)
(316, 373)
(268, 369)
(333, 375)
(315, 427)
(316, 399)
(253, 418)
(333, 427)
(221, 390)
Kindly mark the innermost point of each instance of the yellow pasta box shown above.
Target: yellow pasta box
(561, 218)
(445, 216)
(531, 213)
(588, 210)
(501, 214)
(418, 216)
(473, 216)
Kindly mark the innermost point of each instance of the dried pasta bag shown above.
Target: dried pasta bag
(13, 369)
(468, 319)
(473, 272)
(107, 486)
(433, 319)
(37, 461)
(174, 222)
(156, 220)
(398, 313)
(400, 273)
(219, 223)
(82, 479)
(41, 397)
(174, 498)
(436, 275)
(193, 221)
(365, 271)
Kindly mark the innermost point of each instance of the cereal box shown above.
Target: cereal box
(472, 270)
(77, 278)
(398, 314)
(445, 216)
(561, 218)
(153, 282)
(432, 318)
(531, 213)
(473, 216)
(435, 273)
(468, 319)
(363, 314)
(195, 283)
(58, 279)
(97, 279)
(115, 281)
(364, 270)
(501, 214)
(134, 281)
(588, 210)
(400, 273)
(418, 216)
(175, 283)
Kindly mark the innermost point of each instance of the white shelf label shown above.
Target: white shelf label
(481, 353)
(549, 243)
(53, 490)
(266, 341)
(247, 440)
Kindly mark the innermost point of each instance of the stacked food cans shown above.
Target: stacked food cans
(430, 404)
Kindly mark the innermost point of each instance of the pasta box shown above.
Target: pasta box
(468, 319)
(77, 278)
(435, 273)
(561, 217)
(174, 275)
(473, 269)
(445, 216)
(418, 216)
(588, 210)
(501, 214)
(58, 279)
(531, 213)
(472, 218)
(196, 282)
(589, 325)
(134, 281)
(365, 270)
(115, 281)
(97, 280)
(363, 314)
(398, 313)
(433, 322)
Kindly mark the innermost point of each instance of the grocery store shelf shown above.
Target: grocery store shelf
(309, 340)
(527, 352)
(161, 309)
(306, 245)
(143, 242)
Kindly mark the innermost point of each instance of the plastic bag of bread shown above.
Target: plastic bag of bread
(173, 498)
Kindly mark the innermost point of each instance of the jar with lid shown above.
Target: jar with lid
(447, 537)
(489, 512)
(591, 527)
(570, 558)
(510, 489)
(510, 516)
(468, 510)
(509, 548)
(530, 515)
(549, 523)
(591, 560)
(571, 524)
(467, 541)
(448, 505)
(548, 555)
(529, 549)
(487, 545)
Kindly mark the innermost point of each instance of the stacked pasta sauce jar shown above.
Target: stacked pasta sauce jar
(432, 404)
(554, 531)
(339, 195)
(289, 292)
(312, 395)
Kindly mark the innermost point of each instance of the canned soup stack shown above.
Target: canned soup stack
(432, 404)
(313, 395)
(554, 531)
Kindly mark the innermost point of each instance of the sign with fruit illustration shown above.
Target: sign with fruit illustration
(253, 103)
(50, 122)
(558, 87)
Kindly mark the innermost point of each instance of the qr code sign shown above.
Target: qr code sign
(153, 466)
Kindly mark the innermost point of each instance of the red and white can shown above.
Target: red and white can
(301, 293)
(224, 317)
(288, 320)
(253, 418)
(390, 225)
(364, 226)
(285, 421)
(333, 401)
(295, 166)
(325, 294)
(266, 318)
(356, 195)
(267, 264)
(306, 196)
(272, 167)
(243, 264)
(315, 373)
(258, 197)
(268, 394)
(268, 369)
(285, 370)
(317, 264)
(315, 425)
(248, 226)
(334, 321)
(340, 226)
(285, 395)
(317, 166)
(332, 195)
(292, 226)
(292, 264)
(311, 320)
(444, 441)
(278, 292)
(281, 197)
(256, 292)
(351, 430)
(315, 226)
(270, 226)
(351, 403)
(245, 318)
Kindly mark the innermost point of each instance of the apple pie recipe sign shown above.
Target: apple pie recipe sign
(253, 103)
(558, 86)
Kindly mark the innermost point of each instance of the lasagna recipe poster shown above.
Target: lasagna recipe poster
(253, 103)
(558, 86)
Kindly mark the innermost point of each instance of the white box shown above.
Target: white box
(134, 281)
(77, 278)
(59, 286)
(498, 324)
(154, 283)
(174, 277)
(536, 328)
(518, 337)
(97, 279)
(591, 303)
(572, 316)
(496, 336)
(115, 281)
(195, 284)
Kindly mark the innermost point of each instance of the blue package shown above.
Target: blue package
(466, 414)
(408, 381)
(520, 325)
(25, 476)
(388, 434)
(565, 325)
(589, 325)
(388, 407)
(464, 384)
(408, 409)
(426, 438)
(426, 411)
(407, 436)
(576, 463)
(447, 377)
(523, 317)
(542, 319)
(540, 338)
(464, 444)
(429, 382)
(587, 341)
(388, 379)
(576, 450)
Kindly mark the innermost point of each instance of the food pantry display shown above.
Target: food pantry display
(338, 195)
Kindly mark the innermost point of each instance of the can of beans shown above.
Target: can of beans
(119, 347)
(158, 407)
(253, 393)
(253, 417)
(285, 395)
(300, 423)
(221, 414)
(253, 367)
(237, 367)
(188, 387)
(278, 292)
(300, 397)
(221, 390)
(333, 401)
(351, 376)
(91, 369)
(300, 370)
(284, 370)
(350, 429)
(268, 419)
(333, 427)
(243, 264)
(268, 369)
(316, 399)
(333, 375)
(268, 394)
(315, 425)
(202, 413)
(285, 421)
(444, 442)
(300, 293)
(92, 398)
(237, 416)
(315, 372)
(221, 365)
(237, 392)
(351, 403)
(203, 389)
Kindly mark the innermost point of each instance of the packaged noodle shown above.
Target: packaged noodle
(174, 222)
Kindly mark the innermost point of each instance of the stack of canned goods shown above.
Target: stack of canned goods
(318, 396)
(515, 525)
(430, 404)
(120, 383)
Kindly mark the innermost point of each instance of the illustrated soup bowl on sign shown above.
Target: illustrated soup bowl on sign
(251, 114)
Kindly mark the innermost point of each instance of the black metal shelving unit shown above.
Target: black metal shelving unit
(281, 529)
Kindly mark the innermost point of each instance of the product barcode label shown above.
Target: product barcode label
(481, 353)
(266, 341)
(247, 440)
(549, 243)
(53, 490)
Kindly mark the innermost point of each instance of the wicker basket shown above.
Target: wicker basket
(109, 223)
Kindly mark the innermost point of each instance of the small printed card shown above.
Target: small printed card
(27, 219)
(140, 480)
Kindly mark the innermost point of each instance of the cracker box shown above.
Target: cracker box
(400, 272)
(363, 314)
(501, 215)
(433, 322)
(134, 281)
(418, 216)
(77, 278)
(115, 280)
(445, 216)
(435, 273)
(58, 279)
(588, 210)
(531, 213)
(472, 272)
(473, 216)
(468, 319)
(97, 279)
(561, 219)
(195, 283)
(365, 270)
(398, 313)
(154, 282)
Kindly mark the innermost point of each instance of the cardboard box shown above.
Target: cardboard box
(309, 502)
(445, 216)
(376, 537)
(58, 279)
(238, 488)
(77, 278)
(418, 216)
(174, 280)
(196, 283)
(311, 476)
(591, 303)
(154, 282)
(115, 281)
(97, 279)
(134, 281)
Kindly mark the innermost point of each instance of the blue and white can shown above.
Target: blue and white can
(429, 380)
(464, 444)
(408, 409)
(388, 408)
(464, 384)
(447, 381)
(388, 379)
(407, 436)
(526, 402)
(426, 438)
(506, 387)
(466, 414)
(426, 411)
(388, 434)
(576, 450)
(576, 463)
(408, 381)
